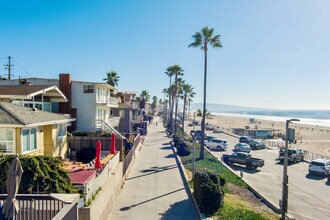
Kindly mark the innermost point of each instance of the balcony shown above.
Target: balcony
(107, 100)
(45, 206)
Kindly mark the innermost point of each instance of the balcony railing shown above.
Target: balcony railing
(102, 99)
(45, 206)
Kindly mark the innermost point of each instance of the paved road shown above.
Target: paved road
(154, 188)
(309, 195)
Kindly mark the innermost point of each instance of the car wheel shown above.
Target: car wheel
(302, 159)
(249, 166)
(294, 160)
(218, 148)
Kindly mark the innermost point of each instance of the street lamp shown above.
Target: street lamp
(285, 189)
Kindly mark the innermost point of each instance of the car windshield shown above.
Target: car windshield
(320, 164)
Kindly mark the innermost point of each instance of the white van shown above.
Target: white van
(242, 147)
(216, 144)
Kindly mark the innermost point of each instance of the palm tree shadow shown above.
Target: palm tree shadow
(178, 210)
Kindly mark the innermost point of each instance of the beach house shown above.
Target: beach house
(41, 97)
(30, 131)
(91, 103)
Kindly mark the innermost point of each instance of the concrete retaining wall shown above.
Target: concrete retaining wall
(102, 205)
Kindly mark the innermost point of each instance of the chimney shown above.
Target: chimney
(65, 87)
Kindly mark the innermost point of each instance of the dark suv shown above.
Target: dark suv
(246, 139)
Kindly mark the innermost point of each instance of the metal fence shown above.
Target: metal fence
(43, 207)
(312, 156)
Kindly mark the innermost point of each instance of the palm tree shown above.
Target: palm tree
(188, 91)
(203, 39)
(154, 104)
(200, 113)
(179, 94)
(112, 78)
(145, 95)
(174, 70)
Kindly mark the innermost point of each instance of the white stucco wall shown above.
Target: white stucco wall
(85, 103)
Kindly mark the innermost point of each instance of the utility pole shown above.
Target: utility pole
(8, 67)
(285, 188)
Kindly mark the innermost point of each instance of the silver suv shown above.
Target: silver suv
(319, 166)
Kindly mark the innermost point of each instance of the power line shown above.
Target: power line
(21, 67)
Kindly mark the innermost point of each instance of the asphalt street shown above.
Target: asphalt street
(309, 195)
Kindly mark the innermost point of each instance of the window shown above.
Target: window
(121, 113)
(7, 141)
(88, 88)
(61, 130)
(29, 139)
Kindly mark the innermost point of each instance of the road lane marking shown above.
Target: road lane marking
(326, 210)
(305, 216)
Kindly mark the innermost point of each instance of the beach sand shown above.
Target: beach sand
(311, 138)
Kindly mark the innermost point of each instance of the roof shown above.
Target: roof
(20, 90)
(18, 116)
(29, 91)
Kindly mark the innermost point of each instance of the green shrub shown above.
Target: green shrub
(208, 191)
(41, 173)
(181, 146)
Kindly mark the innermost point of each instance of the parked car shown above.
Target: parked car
(245, 139)
(198, 135)
(217, 130)
(208, 137)
(319, 166)
(244, 159)
(216, 144)
(294, 155)
(242, 147)
(209, 127)
(257, 145)
(190, 124)
(195, 122)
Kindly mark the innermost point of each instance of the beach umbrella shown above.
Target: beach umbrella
(98, 164)
(15, 171)
(113, 144)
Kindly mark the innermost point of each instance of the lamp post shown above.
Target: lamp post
(285, 189)
(193, 150)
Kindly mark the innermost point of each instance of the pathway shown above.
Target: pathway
(154, 188)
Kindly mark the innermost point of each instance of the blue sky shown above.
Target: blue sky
(276, 54)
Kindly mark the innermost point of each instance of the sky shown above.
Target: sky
(276, 54)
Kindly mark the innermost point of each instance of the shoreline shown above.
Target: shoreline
(313, 138)
(324, 123)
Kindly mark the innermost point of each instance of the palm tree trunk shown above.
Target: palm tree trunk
(172, 112)
(184, 110)
(176, 94)
(201, 154)
(169, 108)
(188, 109)
(176, 114)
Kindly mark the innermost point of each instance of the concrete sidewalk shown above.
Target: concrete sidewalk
(154, 188)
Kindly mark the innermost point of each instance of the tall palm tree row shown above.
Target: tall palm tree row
(188, 92)
(174, 70)
(112, 78)
(203, 39)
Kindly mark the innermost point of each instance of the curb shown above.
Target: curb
(182, 170)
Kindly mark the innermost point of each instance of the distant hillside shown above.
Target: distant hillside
(222, 108)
